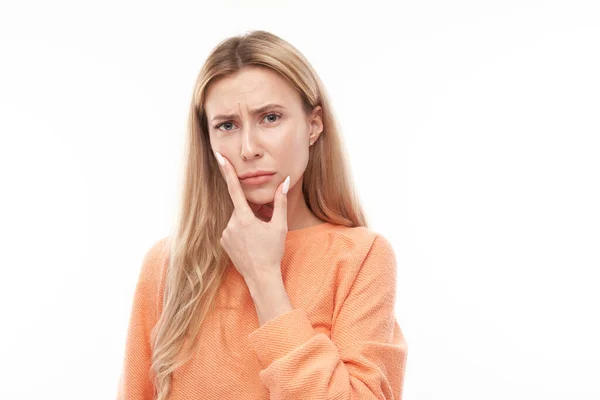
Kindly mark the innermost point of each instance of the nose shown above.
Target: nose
(250, 144)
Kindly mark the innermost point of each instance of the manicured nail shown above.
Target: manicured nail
(220, 158)
(286, 185)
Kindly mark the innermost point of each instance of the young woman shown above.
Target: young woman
(270, 285)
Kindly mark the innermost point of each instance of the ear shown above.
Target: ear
(316, 123)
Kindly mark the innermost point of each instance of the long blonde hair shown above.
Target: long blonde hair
(196, 262)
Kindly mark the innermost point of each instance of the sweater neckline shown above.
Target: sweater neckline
(302, 232)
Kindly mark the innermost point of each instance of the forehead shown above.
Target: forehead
(250, 87)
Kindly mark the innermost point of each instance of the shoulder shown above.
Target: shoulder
(362, 261)
(361, 242)
(156, 252)
(373, 251)
(352, 251)
(154, 263)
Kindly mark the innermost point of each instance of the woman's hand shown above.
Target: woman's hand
(255, 247)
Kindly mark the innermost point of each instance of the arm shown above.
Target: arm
(366, 355)
(270, 298)
(135, 380)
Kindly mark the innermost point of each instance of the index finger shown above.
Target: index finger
(233, 185)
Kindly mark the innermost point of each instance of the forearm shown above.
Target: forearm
(270, 298)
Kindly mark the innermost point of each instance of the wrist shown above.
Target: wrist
(264, 281)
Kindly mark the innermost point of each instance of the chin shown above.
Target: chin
(260, 196)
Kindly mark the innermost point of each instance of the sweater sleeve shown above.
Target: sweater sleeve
(364, 358)
(135, 381)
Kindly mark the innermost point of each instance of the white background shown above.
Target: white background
(474, 135)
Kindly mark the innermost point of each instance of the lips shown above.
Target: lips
(257, 180)
(260, 173)
(255, 176)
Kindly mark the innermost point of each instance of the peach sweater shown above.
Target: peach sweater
(341, 341)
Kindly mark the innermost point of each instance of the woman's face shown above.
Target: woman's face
(275, 138)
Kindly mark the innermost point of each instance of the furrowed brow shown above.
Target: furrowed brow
(252, 111)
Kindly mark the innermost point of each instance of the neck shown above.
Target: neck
(299, 215)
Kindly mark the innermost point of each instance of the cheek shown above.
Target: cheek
(222, 146)
(293, 157)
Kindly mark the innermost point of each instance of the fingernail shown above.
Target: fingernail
(220, 158)
(286, 185)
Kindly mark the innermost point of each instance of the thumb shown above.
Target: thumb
(280, 204)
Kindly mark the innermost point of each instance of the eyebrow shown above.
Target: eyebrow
(253, 111)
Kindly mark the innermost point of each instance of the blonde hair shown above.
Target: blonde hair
(196, 262)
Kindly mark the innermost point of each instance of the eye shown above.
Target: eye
(273, 114)
(218, 126)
